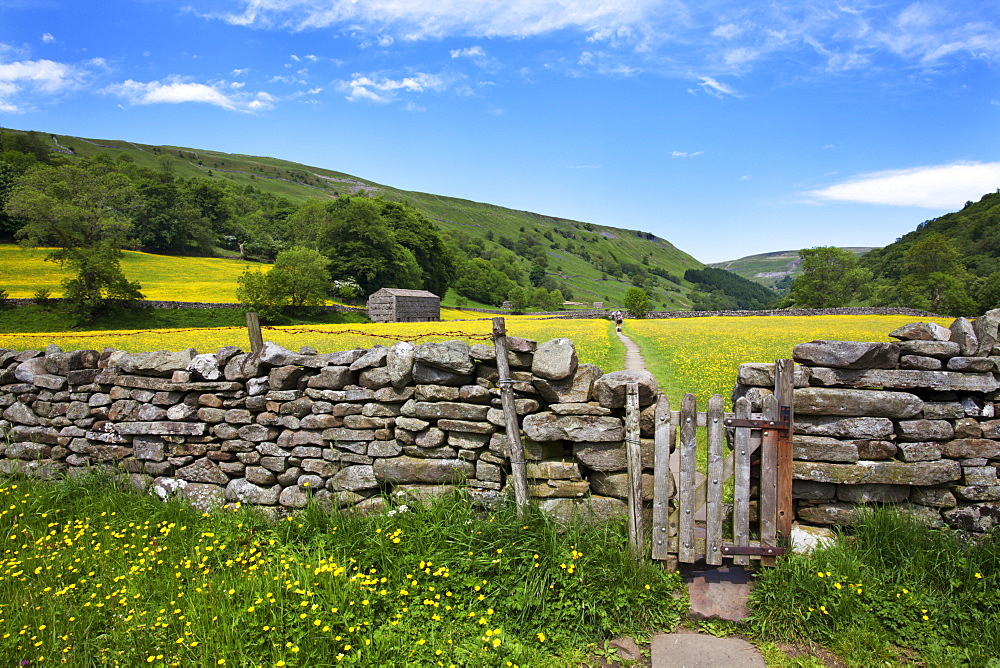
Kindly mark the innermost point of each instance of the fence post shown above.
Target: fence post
(633, 457)
(784, 389)
(662, 485)
(253, 329)
(514, 446)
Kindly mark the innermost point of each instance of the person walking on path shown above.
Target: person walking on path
(617, 315)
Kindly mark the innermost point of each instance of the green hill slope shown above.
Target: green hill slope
(597, 263)
(773, 270)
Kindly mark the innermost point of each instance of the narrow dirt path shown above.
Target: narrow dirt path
(633, 358)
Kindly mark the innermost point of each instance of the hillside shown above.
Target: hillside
(774, 270)
(597, 263)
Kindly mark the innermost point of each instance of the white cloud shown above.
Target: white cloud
(175, 91)
(714, 87)
(471, 52)
(25, 80)
(685, 154)
(240, 72)
(48, 38)
(933, 187)
(384, 89)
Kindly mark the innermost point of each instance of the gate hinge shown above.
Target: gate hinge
(754, 550)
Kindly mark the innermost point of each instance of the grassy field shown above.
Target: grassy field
(163, 277)
(96, 575)
(702, 355)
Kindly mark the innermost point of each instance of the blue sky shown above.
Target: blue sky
(727, 127)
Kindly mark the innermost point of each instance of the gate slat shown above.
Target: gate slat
(633, 456)
(768, 480)
(686, 482)
(714, 512)
(661, 480)
(741, 482)
(784, 375)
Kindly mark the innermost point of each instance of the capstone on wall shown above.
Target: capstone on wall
(913, 423)
(347, 428)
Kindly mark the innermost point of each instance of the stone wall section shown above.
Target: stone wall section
(276, 427)
(912, 423)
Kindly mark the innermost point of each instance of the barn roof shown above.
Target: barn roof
(401, 292)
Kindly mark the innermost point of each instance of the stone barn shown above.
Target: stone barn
(398, 305)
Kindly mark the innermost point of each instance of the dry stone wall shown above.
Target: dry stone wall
(277, 427)
(912, 423)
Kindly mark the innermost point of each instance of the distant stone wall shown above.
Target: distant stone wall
(911, 423)
(347, 428)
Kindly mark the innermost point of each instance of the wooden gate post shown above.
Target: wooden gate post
(662, 487)
(633, 458)
(253, 330)
(514, 446)
(784, 388)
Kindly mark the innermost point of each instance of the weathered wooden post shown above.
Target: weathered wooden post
(633, 458)
(662, 485)
(253, 329)
(514, 446)
(784, 388)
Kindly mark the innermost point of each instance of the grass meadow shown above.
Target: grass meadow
(96, 574)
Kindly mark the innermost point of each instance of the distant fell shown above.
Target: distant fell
(773, 270)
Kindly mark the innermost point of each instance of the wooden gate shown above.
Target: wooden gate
(758, 441)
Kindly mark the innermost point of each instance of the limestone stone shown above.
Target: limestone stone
(905, 379)
(938, 497)
(285, 377)
(559, 488)
(414, 470)
(593, 509)
(576, 428)
(203, 470)
(964, 334)
(827, 513)
(205, 367)
(27, 370)
(450, 410)
(443, 452)
(972, 364)
(978, 492)
(354, 479)
(576, 389)
(240, 489)
(429, 375)
(392, 395)
(977, 517)
(259, 475)
(435, 393)
(919, 452)
(161, 428)
(310, 482)
(431, 438)
(374, 357)
(555, 359)
(319, 467)
(204, 497)
(985, 327)
(886, 472)
(488, 472)
(149, 448)
(617, 484)
(920, 362)
(450, 356)
(331, 378)
(924, 430)
(943, 410)
(847, 354)
(872, 428)
(374, 378)
(411, 424)
(969, 428)
(813, 491)
(823, 449)
(609, 389)
(977, 407)
(467, 426)
(937, 349)
(399, 361)
(243, 367)
(160, 363)
(979, 475)
(384, 449)
(293, 496)
(990, 428)
(964, 448)
(257, 433)
(611, 456)
(762, 375)
(869, 403)
(20, 414)
(873, 493)
(533, 450)
(921, 331)
(345, 434)
(555, 469)
(468, 440)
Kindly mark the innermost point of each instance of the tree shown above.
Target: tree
(298, 279)
(637, 302)
(84, 210)
(831, 277)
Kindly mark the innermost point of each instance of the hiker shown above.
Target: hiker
(617, 315)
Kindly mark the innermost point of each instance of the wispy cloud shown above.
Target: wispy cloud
(25, 80)
(933, 187)
(383, 89)
(685, 154)
(716, 88)
(48, 38)
(176, 91)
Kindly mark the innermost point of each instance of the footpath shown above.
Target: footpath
(714, 593)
